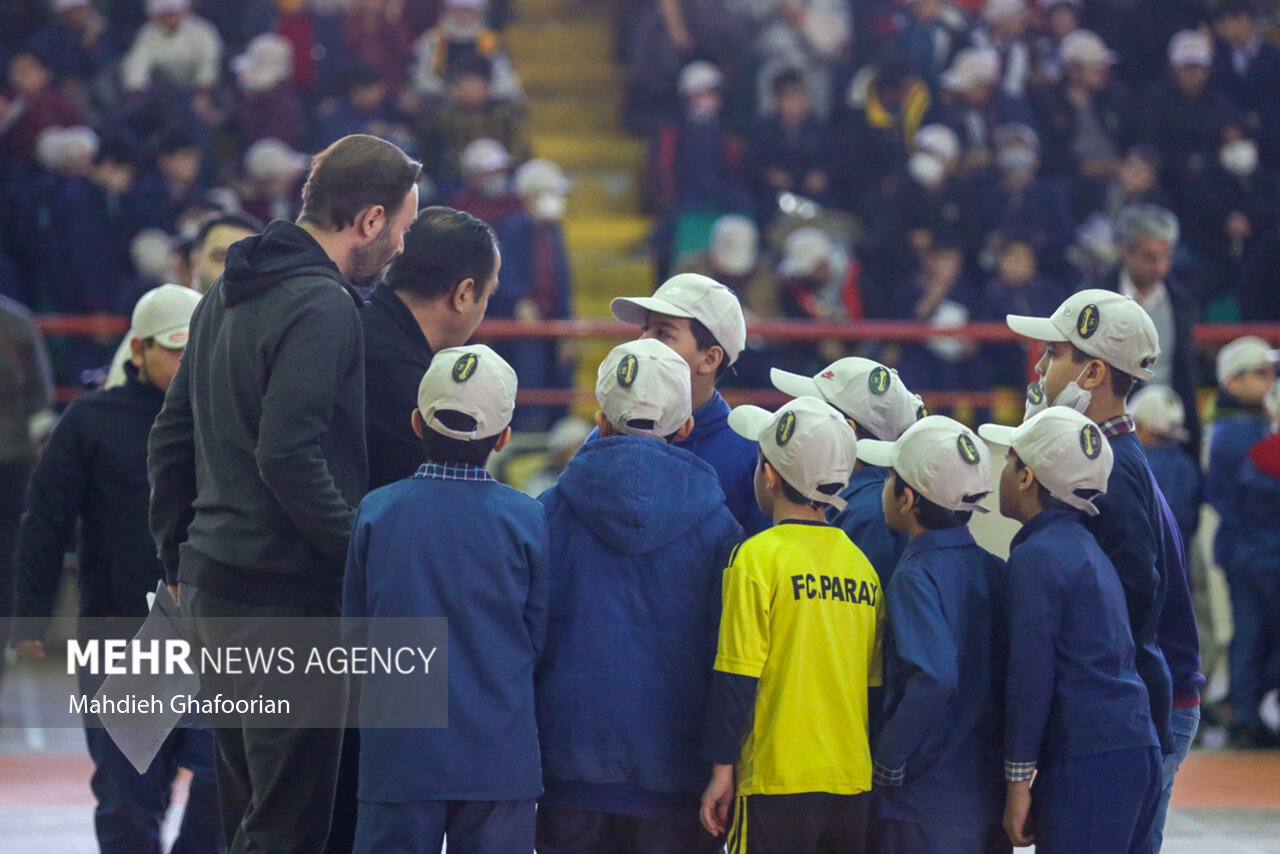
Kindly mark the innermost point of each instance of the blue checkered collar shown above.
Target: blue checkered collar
(455, 471)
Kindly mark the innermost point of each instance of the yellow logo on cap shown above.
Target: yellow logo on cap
(1090, 441)
(922, 412)
(968, 450)
(1087, 323)
(1035, 394)
(628, 368)
(878, 381)
(465, 367)
(786, 428)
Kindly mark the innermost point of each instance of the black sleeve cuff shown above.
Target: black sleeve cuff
(730, 706)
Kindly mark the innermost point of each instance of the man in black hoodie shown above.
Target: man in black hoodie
(257, 460)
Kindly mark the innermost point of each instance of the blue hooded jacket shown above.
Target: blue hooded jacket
(1178, 477)
(1260, 508)
(640, 536)
(863, 520)
(1237, 429)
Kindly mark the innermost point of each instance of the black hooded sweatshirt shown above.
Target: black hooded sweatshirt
(257, 459)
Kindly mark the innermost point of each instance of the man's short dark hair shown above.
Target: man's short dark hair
(1048, 501)
(213, 221)
(443, 248)
(357, 76)
(173, 141)
(931, 516)
(356, 173)
(118, 151)
(440, 448)
(794, 495)
(471, 65)
(1121, 383)
(1232, 8)
(787, 79)
(705, 340)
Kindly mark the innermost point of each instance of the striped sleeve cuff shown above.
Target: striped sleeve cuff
(888, 777)
(1019, 772)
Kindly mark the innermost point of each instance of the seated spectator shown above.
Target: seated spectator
(1137, 182)
(889, 105)
(939, 294)
(1229, 204)
(74, 44)
(318, 51)
(789, 152)
(928, 38)
(1016, 288)
(363, 106)
(536, 285)
(268, 107)
(151, 251)
(816, 281)
(275, 174)
(1020, 205)
(1003, 29)
(486, 191)
(175, 182)
(460, 37)
(973, 106)
(1182, 117)
(1083, 121)
(30, 105)
(470, 112)
(1061, 18)
(1246, 68)
(733, 259)
(811, 35)
(175, 49)
(374, 34)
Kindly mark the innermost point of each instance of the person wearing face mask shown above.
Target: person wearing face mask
(486, 192)
(462, 34)
(1098, 346)
(536, 286)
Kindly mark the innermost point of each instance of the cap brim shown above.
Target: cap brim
(1037, 328)
(634, 311)
(794, 384)
(875, 452)
(1273, 356)
(997, 434)
(749, 421)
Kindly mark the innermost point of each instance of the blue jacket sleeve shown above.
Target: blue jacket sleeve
(926, 649)
(1034, 611)
(1125, 532)
(1227, 451)
(537, 604)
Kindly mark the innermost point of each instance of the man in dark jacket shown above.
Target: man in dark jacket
(93, 475)
(258, 460)
(433, 298)
(1148, 235)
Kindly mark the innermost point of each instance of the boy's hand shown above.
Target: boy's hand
(1017, 815)
(716, 800)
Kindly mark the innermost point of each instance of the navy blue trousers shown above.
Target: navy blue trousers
(907, 837)
(420, 827)
(1102, 804)
(565, 831)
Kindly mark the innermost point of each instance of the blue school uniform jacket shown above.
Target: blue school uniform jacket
(640, 537)
(863, 520)
(1178, 477)
(1236, 431)
(1259, 510)
(1072, 688)
(945, 654)
(452, 542)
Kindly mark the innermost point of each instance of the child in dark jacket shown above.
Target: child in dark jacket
(1159, 416)
(639, 537)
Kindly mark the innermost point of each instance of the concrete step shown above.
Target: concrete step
(576, 114)
(606, 235)
(592, 151)
(542, 10)
(565, 40)
(597, 192)
(598, 279)
(578, 78)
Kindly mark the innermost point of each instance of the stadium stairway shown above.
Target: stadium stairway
(563, 51)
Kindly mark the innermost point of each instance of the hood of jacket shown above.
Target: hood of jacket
(283, 250)
(639, 494)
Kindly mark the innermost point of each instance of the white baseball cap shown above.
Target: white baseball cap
(160, 7)
(698, 77)
(1159, 409)
(541, 176)
(805, 251)
(939, 458)
(1242, 354)
(271, 158)
(866, 391)
(1190, 47)
(696, 297)
(164, 313)
(1103, 324)
(474, 381)
(1085, 47)
(266, 62)
(478, 5)
(735, 244)
(940, 141)
(1066, 451)
(999, 11)
(807, 441)
(484, 155)
(644, 388)
(972, 67)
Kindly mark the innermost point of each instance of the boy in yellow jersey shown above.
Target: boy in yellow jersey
(799, 647)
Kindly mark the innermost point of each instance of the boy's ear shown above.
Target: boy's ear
(418, 424)
(684, 431)
(1095, 374)
(137, 347)
(504, 438)
(771, 477)
(603, 425)
(709, 360)
(1026, 479)
(465, 292)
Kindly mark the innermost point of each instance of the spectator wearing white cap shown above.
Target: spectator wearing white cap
(946, 606)
(462, 33)
(487, 191)
(1245, 65)
(274, 173)
(798, 599)
(1098, 345)
(973, 105)
(175, 48)
(733, 258)
(702, 320)
(269, 107)
(1071, 655)
(92, 478)
(815, 277)
(639, 532)
(1159, 418)
(440, 786)
(1059, 19)
(1002, 28)
(929, 37)
(811, 35)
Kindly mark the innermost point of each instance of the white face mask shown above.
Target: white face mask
(1072, 397)
(1240, 157)
(1015, 160)
(493, 186)
(548, 207)
(926, 169)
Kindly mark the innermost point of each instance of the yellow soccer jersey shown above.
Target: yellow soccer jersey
(803, 613)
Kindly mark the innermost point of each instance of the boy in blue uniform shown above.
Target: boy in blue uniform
(799, 647)
(1077, 716)
(1159, 418)
(702, 320)
(1098, 344)
(877, 405)
(1245, 375)
(937, 756)
(452, 542)
(640, 536)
